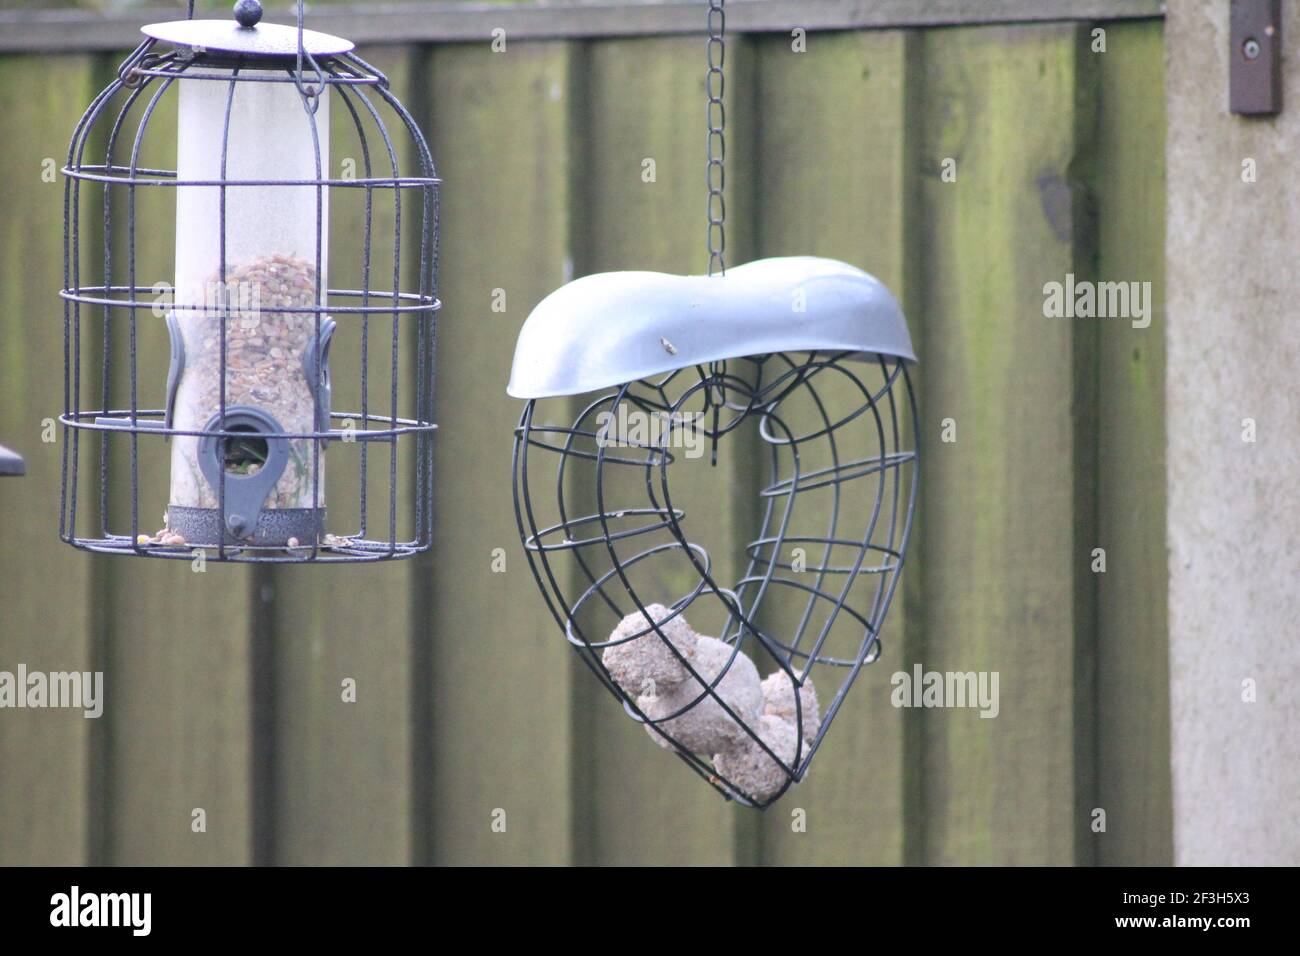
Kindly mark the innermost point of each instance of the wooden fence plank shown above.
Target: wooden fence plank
(1000, 543)
(178, 641)
(473, 20)
(1132, 648)
(182, 734)
(500, 669)
(45, 611)
(644, 103)
(343, 754)
(841, 196)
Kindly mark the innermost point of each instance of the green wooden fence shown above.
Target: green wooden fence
(223, 688)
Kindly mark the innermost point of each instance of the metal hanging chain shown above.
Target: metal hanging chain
(715, 176)
(716, 116)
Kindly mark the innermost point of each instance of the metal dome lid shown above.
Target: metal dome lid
(246, 35)
(614, 327)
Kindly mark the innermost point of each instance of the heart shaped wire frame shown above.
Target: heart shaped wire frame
(604, 539)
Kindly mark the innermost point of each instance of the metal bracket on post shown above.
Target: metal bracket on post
(1255, 80)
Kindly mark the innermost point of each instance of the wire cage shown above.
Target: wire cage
(250, 275)
(799, 359)
(610, 545)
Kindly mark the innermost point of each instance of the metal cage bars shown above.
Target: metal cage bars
(594, 540)
(350, 76)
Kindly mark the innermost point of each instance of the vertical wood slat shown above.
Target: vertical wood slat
(638, 803)
(833, 183)
(46, 606)
(178, 641)
(342, 769)
(181, 720)
(999, 541)
(500, 670)
(1133, 730)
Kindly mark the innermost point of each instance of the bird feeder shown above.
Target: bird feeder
(602, 533)
(802, 361)
(247, 399)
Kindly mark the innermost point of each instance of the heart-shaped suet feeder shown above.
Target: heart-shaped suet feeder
(805, 360)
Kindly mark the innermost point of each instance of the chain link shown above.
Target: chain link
(715, 396)
(716, 116)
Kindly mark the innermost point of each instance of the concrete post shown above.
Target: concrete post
(1233, 390)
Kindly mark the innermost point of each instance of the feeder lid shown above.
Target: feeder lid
(614, 327)
(11, 463)
(258, 39)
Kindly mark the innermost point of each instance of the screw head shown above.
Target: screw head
(1251, 49)
(248, 13)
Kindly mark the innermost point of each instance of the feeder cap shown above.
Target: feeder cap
(11, 463)
(246, 35)
(248, 13)
(614, 327)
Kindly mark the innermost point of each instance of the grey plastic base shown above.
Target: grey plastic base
(203, 527)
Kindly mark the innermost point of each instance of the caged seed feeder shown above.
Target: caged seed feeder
(247, 400)
(803, 358)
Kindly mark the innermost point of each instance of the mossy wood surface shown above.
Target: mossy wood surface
(475, 736)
